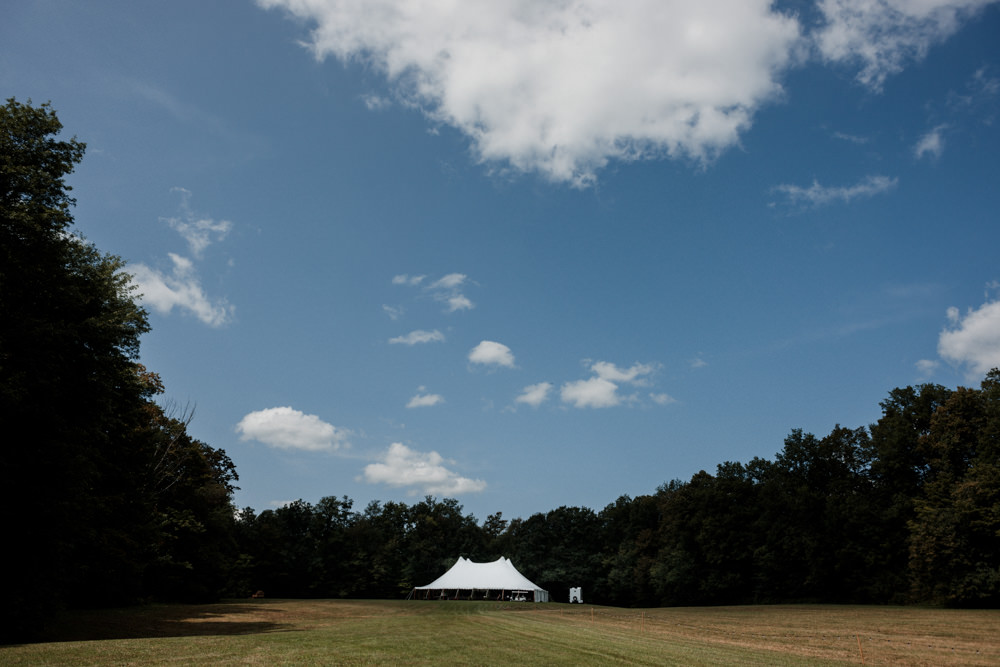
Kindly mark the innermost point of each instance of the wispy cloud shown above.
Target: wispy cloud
(179, 287)
(852, 138)
(491, 353)
(287, 428)
(426, 473)
(819, 195)
(199, 232)
(423, 399)
(883, 36)
(449, 282)
(406, 279)
(931, 144)
(926, 367)
(447, 289)
(417, 337)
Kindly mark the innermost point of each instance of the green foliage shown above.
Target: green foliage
(955, 533)
(99, 487)
(908, 510)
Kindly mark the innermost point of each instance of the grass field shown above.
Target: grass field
(361, 632)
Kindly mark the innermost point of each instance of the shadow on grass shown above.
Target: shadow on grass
(155, 621)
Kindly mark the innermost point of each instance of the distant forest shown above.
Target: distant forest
(108, 501)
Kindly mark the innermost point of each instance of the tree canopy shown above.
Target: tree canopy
(86, 448)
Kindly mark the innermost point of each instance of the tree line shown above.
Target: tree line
(107, 500)
(904, 511)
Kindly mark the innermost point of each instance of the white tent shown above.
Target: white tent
(498, 580)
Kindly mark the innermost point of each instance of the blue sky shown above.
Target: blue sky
(531, 254)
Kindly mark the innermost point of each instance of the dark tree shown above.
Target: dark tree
(105, 498)
(955, 534)
(900, 460)
(70, 390)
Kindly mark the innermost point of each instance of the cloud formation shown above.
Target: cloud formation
(931, 144)
(491, 353)
(422, 399)
(401, 466)
(561, 88)
(601, 391)
(818, 195)
(287, 428)
(406, 279)
(973, 339)
(180, 287)
(883, 36)
(447, 289)
(199, 232)
(417, 337)
(535, 394)
(662, 399)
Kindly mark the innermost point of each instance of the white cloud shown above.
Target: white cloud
(418, 336)
(424, 400)
(287, 428)
(602, 391)
(561, 88)
(852, 138)
(882, 36)
(926, 367)
(535, 394)
(198, 232)
(449, 282)
(609, 371)
(817, 195)
(698, 363)
(401, 466)
(444, 289)
(593, 393)
(491, 353)
(458, 302)
(931, 144)
(394, 312)
(663, 399)
(973, 341)
(376, 102)
(181, 288)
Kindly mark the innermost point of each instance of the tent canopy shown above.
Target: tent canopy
(500, 575)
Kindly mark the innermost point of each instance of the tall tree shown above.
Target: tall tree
(900, 460)
(105, 497)
(70, 393)
(955, 533)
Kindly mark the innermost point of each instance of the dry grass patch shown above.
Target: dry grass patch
(357, 632)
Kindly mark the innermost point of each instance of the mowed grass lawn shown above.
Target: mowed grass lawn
(364, 632)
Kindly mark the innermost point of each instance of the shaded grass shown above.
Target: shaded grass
(360, 632)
